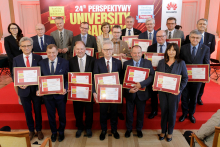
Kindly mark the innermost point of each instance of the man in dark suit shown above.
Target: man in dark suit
(82, 63)
(108, 64)
(159, 47)
(54, 65)
(41, 41)
(129, 30)
(89, 40)
(150, 33)
(134, 96)
(192, 53)
(207, 39)
(28, 93)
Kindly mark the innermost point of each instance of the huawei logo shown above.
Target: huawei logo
(171, 5)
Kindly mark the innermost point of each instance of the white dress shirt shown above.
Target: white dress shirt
(83, 60)
(132, 32)
(152, 34)
(110, 64)
(29, 58)
(163, 47)
(54, 64)
(39, 41)
(172, 32)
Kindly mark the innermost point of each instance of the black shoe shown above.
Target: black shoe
(127, 134)
(115, 134)
(192, 119)
(139, 134)
(78, 133)
(169, 139)
(182, 118)
(152, 114)
(89, 133)
(61, 137)
(53, 137)
(162, 138)
(102, 135)
(121, 116)
(200, 102)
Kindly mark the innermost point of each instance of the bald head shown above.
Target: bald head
(40, 29)
(161, 37)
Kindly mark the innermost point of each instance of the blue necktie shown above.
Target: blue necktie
(194, 52)
(42, 43)
(150, 37)
(52, 68)
(161, 48)
(137, 64)
(201, 41)
(84, 39)
(129, 32)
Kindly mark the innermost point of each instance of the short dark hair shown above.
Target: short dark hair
(19, 35)
(116, 26)
(171, 18)
(50, 46)
(176, 48)
(178, 27)
(84, 23)
(105, 24)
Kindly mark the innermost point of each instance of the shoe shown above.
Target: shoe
(121, 116)
(152, 114)
(89, 133)
(192, 119)
(162, 138)
(78, 133)
(61, 137)
(200, 102)
(139, 134)
(102, 135)
(115, 134)
(53, 137)
(127, 134)
(40, 135)
(169, 139)
(182, 118)
(31, 135)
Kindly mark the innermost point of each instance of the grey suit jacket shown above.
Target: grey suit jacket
(177, 34)
(67, 41)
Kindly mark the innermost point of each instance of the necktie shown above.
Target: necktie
(137, 64)
(129, 32)
(161, 48)
(84, 39)
(194, 52)
(169, 35)
(150, 37)
(61, 39)
(27, 62)
(81, 65)
(52, 68)
(42, 43)
(108, 67)
(201, 41)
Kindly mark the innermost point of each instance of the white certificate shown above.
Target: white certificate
(144, 46)
(155, 60)
(110, 94)
(107, 80)
(29, 76)
(82, 92)
(44, 56)
(88, 52)
(168, 83)
(53, 84)
(198, 73)
(82, 79)
(173, 42)
(138, 76)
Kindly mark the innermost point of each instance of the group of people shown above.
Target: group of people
(59, 46)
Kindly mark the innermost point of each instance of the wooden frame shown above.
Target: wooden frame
(216, 139)
(45, 142)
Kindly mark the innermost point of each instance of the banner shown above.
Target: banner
(96, 12)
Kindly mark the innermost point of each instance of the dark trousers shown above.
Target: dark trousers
(154, 101)
(201, 91)
(78, 112)
(103, 116)
(189, 97)
(10, 65)
(169, 106)
(51, 106)
(140, 107)
(186, 135)
(27, 106)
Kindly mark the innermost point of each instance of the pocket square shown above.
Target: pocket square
(209, 43)
(61, 70)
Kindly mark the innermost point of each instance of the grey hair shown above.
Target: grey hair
(149, 19)
(203, 19)
(108, 42)
(25, 39)
(136, 46)
(129, 17)
(197, 32)
(58, 18)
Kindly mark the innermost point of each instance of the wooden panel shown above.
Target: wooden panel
(207, 9)
(11, 7)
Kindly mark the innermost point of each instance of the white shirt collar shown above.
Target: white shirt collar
(84, 35)
(150, 32)
(110, 60)
(29, 56)
(40, 37)
(129, 29)
(55, 60)
(61, 31)
(84, 57)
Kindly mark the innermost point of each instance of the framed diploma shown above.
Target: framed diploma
(109, 93)
(89, 52)
(175, 40)
(107, 78)
(26, 76)
(80, 92)
(143, 43)
(154, 58)
(167, 82)
(42, 54)
(198, 72)
(133, 75)
(51, 84)
(128, 39)
(80, 77)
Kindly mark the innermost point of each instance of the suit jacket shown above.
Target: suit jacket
(177, 34)
(47, 40)
(136, 32)
(100, 41)
(11, 47)
(74, 66)
(178, 69)
(91, 42)
(153, 48)
(142, 95)
(144, 35)
(19, 62)
(209, 40)
(62, 68)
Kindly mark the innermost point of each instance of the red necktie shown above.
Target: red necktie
(27, 62)
(108, 68)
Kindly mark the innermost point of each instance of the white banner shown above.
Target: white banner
(171, 8)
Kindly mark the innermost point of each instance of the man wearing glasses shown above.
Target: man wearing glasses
(89, 40)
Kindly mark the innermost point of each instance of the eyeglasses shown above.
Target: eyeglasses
(160, 36)
(149, 24)
(197, 38)
(13, 28)
(39, 29)
(24, 46)
(106, 50)
(171, 23)
(117, 32)
(84, 28)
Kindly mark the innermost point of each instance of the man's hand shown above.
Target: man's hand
(122, 55)
(38, 93)
(23, 87)
(138, 85)
(177, 93)
(95, 97)
(153, 88)
(64, 92)
(59, 50)
(133, 90)
(64, 50)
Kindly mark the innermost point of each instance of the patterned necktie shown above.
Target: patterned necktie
(61, 39)
(84, 39)
(42, 43)
(161, 48)
(27, 62)
(129, 32)
(201, 41)
(108, 67)
(150, 37)
(137, 64)
(81, 65)
(52, 68)
(169, 35)
(194, 52)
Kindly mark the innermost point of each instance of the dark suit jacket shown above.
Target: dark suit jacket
(153, 48)
(74, 66)
(136, 32)
(11, 47)
(47, 40)
(19, 62)
(178, 69)
(209, 40)
(142, 95)
(144, 35)
(91, 42)
(62, 68)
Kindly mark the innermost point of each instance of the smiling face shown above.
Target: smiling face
(107, 50)
(116, 32)
(195, 39)
(80, 49)
(171, 25)
(150, 25)
(84, 29)
(14, 30)
(60, 24)
(52, 53)
(105, 29)
(40, 30)
(26, 47)
(129, 22)
(202, 25)
(136, 53)
(171, 52)
(161, 37)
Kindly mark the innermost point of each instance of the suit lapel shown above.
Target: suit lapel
(174, 67)
(33, 61)
(188, 50)
(47, 66)
(22, 58)
(104, 65)
(142, 63)
(198, 52)
(113, 65)
(146, 34)
(65, 38)
(87, 63)
(58, 66)
(57, 37)
(38, 45)
(88, 40)
(206, 38)
(174, 33)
